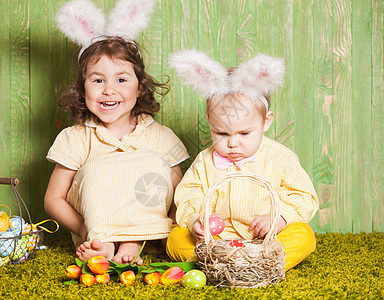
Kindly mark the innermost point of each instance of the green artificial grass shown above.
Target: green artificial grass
(344, 266)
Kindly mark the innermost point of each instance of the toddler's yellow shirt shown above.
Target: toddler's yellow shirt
(240, 201)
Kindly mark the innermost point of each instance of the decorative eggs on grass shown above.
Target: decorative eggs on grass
(216, 225)
(194, 279)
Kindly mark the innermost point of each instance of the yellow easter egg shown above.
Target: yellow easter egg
(4, 223)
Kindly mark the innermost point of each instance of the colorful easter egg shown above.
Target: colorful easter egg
(236, 244)
(194, 279)
(33, 241)
(216, 225)
(27, 228)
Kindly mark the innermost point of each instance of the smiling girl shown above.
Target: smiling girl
(116, 168)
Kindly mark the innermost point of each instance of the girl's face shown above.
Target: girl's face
(111, 91)
(237, 126)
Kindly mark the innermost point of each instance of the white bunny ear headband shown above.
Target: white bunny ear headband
(254, 78)
(84, 23)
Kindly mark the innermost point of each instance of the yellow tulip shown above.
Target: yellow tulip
(103, 278)
(73, 272)
(98, 264)
(87, 279)
(152, 279)
(127, 277)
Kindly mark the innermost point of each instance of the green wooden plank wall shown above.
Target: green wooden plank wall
(330, 112)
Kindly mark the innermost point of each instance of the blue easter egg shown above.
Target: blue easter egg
(7, 243)
(18, 225)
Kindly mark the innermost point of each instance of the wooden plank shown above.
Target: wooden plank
(19, 114)
(208, 33)
(47, 69)
(186, 126)
(283, 99)
(323, 168)
(302, 76)
(361, 115)
(6, 127)
(342, 112)
(151, 40)
(303, 72)
(377, 159)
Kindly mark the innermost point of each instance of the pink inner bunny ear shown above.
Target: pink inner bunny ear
(260, 75)
(81, 21)
(130, 17)
(204, 74)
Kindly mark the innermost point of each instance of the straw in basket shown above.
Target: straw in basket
(258, 263)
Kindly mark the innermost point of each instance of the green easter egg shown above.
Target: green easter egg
(21, 248)
(194, 279)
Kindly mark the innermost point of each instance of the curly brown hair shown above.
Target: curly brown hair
(72, 99)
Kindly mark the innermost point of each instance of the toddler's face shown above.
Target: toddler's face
(237, 127)
(111, 90)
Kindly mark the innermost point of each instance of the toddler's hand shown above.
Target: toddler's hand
(262, 224)
(197, 230)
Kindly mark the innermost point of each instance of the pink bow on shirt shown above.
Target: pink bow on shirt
(222, 162)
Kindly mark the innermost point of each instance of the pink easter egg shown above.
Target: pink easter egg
(216, 225)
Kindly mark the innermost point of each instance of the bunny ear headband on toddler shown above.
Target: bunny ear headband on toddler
(84, 23)
(254, 78)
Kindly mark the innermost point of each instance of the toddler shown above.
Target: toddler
(237, 108)
(116, 168)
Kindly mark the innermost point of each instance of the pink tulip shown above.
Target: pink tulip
(172, 275)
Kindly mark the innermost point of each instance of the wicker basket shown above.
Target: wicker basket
(258, 263)
(18, 245)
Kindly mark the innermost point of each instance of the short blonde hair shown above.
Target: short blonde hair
(213, 101)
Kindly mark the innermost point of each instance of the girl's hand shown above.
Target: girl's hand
(197, 230)
(262, 224)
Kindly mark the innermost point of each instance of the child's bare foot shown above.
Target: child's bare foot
(95, 248)
(127, 252)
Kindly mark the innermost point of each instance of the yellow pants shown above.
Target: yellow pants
(297, 241)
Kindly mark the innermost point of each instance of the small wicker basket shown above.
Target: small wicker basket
(21, 245)
(258, 263)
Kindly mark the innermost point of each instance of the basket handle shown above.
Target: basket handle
(13, 181)
(205, 208)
